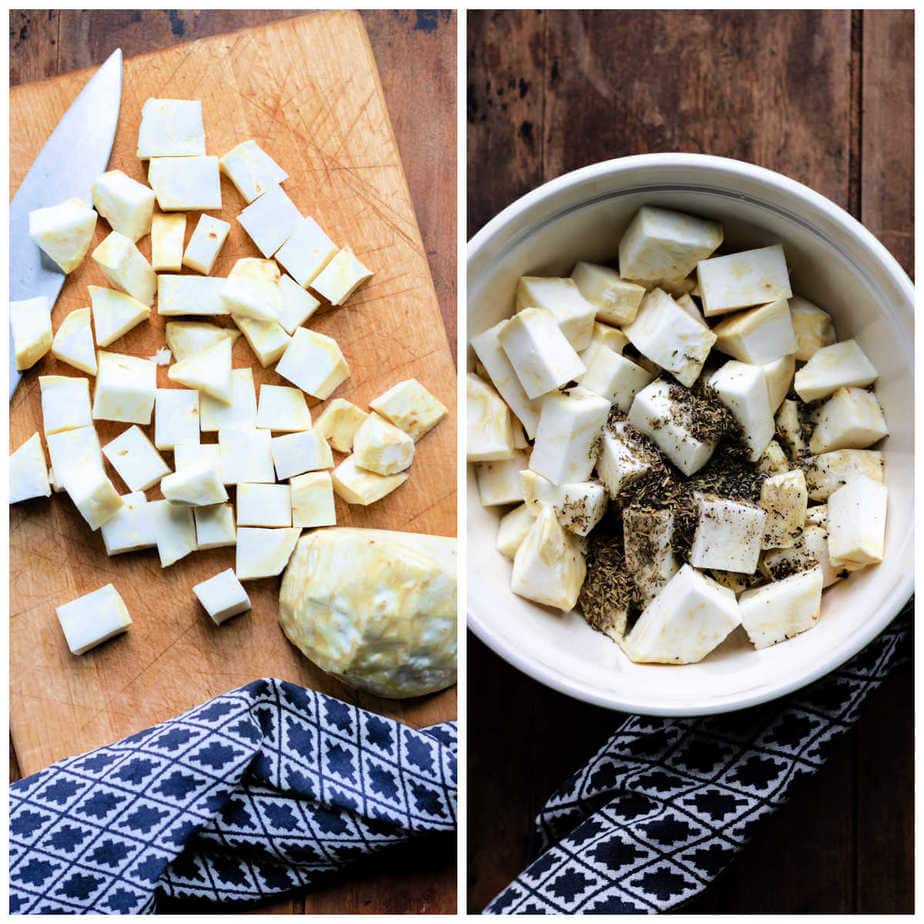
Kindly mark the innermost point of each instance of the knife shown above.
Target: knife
(73, 157)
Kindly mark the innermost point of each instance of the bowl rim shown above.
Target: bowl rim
(901, 591)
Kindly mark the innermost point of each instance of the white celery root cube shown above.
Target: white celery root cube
(490, 430)
(825, 473)
(773, 461)
(176, 417)
(190, 295)
(339, 422)
(130, 529)
(170, 128)
(661, 244)
(759, 335)
(668, 336)
(813, 326)
(307, 251)
(784, 499)
(215, 526)
(174, 530)
(782, 609)
(615, 299)
(168, 233)
(622, 458)
(381, 447)
(728, 534)
(549, 566)
(267, 339)
(608, 336)
(742, 388)
(270, 220)
(539, 352)
(263, 553)
(93, 494)
(840, 365)
(490, 352)
(689, 306)
(241, 411)
(65, 403)
(690, 616)
(561, 297)
(850, 419)
(126, 267)
(264, 505)
(789, 429)
(251, 170)
(661, 413)
(779, 376)
(71, 449)
(296, 305)
(359, 486)
(817, 515)
(314, 363)
(93, 619)
(30, 324)
(252, 289)
(136, 460)
(125, 203)
(341, 277)
(64, 232)
(208, 371)
(856, 523)
(205, 244)
(126, 387)
(313, 500)
(809, 550)
(499, 482)
(649, 550)
(513, 527)
(740, 280)
(296, 453)
(28, 472)
(581, 506)
(186, 338)
(569, 430)
(612, 376)
(185, 184)
(282, 409)
(410, 407)
(246, 455)
(191, 455)
(115, 314)
(73, 341)
(222, 596)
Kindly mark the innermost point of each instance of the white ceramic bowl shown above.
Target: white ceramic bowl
(835, 262)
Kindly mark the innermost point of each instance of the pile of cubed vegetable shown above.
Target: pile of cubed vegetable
(282, 483)
(687, 444)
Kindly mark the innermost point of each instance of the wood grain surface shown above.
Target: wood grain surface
(826, 98)
(307, 90)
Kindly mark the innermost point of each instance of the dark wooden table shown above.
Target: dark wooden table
(826, 98)
(413, 50)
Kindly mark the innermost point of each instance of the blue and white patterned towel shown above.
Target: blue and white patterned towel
(665, 804)
(267, 788)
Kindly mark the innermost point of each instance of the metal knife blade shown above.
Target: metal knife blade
(74, 155)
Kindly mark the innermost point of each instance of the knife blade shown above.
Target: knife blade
(75, 154)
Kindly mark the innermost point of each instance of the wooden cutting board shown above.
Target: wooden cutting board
(308, 92)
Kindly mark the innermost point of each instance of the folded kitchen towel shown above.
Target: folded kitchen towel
(261, 790)
(665, 804)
